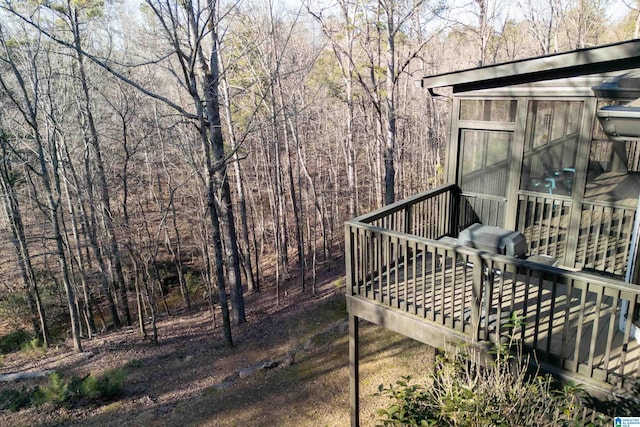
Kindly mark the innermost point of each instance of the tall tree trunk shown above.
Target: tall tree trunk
(280, 212)
(90, 219)
(296, 201)
(390, 145)
(204, 240)
(86, 293)
(288, 123)
(219, 269)
(139, 296)
(176, 255)
(53, 204)
(217, 169)
(245, 253)
(320, 212)
(252, 284)
(19, 240)
(28, 105)
(107, 214)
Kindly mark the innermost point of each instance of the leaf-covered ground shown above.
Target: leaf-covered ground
(289, 367)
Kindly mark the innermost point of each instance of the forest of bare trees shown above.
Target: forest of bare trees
(155, 153)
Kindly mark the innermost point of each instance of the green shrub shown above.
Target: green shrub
(89, 388)
(109, 385)
(33, 348)
(14, 400)
(59, 392)
(14, 341)
(411, 407)
(470, 396)
(56, 391)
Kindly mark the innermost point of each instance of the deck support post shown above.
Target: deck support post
(476, 298)
(354, 375)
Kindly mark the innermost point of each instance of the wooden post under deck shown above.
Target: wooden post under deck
(354, 362)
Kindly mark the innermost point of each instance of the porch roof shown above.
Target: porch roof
(602, 59)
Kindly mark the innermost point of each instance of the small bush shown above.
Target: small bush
(33, 348)
(83, 389)
(109, 385)
(56, 391)
(411, 405)
(59, 392)
(461, 393)
(462, 396)
(14, 400)
(105, 387)
(14, 341)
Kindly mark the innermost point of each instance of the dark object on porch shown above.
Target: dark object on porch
(494, 239)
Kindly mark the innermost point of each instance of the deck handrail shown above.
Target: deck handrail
(402, 204)
(577, 275)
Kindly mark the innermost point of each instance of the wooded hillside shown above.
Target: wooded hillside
(153, 149)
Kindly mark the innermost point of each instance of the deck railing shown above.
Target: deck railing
(429, 215)
(605, 237)
(544, 221)
(570, 319)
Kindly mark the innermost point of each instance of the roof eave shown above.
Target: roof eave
(609, 58)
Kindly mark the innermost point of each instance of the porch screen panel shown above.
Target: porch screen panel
(489, 110)
(551, 145)
(485, 162)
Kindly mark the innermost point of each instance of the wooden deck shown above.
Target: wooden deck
(565, 324)
(405, 272)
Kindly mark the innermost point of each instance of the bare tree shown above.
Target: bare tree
(200, 75)
(584, 22)
(73, 16)
(24, 93)
(544, 18)
(9, 180)
(342, 40)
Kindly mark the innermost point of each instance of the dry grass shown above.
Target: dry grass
(312, 392)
